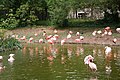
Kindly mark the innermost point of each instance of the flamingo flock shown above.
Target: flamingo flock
(76, 37)
(53, 38)
(106, 33)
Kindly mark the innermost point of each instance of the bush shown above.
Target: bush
(10, 22)
(7, 42)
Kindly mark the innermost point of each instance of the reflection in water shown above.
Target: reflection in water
(93, 78)
(36, 50)
(31, 51)
(24, 49)
(108, 69)
(94, 52)
(62, 62)
(69, 51)
(1, 67)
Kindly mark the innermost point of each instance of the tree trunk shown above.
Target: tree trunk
(92, 16)
(76, 14)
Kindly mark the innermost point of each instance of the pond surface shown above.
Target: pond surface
(56, 62)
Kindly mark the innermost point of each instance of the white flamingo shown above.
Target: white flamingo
(92, 65)
(108, 50)
(1, 57)
(118, 30)
(11, 59)
(69, 36)
(94, 33)
(77, 34)
(87, 59)
(114, 40)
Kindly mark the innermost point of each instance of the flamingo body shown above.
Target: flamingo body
(107, 50)
(92, 66)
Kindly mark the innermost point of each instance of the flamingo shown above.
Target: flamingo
(48, 37)
(36, 34)
(107, 28)
(13, 36)
(77, 34)
(92, 65)
(77, 40)
(11, 59)
(55, 31)
(23, 38)
(110, 33)
(1, 58)
(87, 59)
(40, 40)
(50, 41)
(105, 32)
(81, 37)
(63, 41)
(30, 39)
(114, 40)
(70, 32)
(44, 33)
(94, 33)
(16, 37)
(99, 32)
(118, 30)
(108, 50)
(69, 36)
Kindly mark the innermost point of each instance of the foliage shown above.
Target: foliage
(10, 22)
(15, 13)
(7, 42)
(26, 15)
(57, 11)
(90, 23)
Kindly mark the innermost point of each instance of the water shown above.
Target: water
(48, 62)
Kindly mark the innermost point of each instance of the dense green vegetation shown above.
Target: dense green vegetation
(21, 13)
(7, 42)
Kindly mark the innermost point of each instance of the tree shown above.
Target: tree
(58, 11)
(111, 8)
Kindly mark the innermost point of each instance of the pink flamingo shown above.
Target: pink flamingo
(107, 28)
(63, 41)
(87, 59)
(48, 37)
(77, 40)
(50, 41)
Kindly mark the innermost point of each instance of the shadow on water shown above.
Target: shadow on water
(56, 62)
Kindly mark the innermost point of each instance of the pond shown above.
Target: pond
(56, 62)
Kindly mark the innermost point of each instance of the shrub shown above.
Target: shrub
(7, 42)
